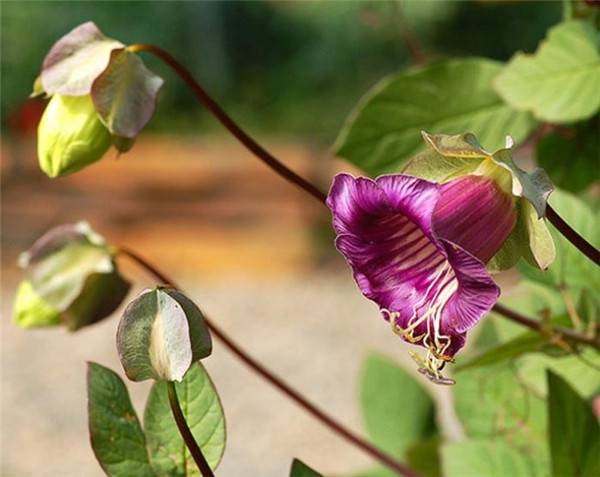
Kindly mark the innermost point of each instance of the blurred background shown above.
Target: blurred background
(253, 251)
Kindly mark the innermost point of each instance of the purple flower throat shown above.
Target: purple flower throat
(418, 250)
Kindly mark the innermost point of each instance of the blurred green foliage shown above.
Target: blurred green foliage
(283, 67)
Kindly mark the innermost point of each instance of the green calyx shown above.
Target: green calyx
(70, 135)
(160, 335)
(449, 157)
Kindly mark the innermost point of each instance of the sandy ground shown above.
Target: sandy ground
(248, 248)
(313, 332)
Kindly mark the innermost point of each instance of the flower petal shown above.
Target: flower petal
(476, 214)
(433, 290)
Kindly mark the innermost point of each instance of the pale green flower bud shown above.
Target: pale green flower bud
(70, 135)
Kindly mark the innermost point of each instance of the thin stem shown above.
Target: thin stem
(417, 54)
(229, 123)
(335, 426)
(186, 433)
(585, 247)
(542, 327)
(572, 236)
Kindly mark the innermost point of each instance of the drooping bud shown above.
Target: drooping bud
(71, 274)
(475, 213)
(101, 92)
(70, 135)
(160, 335)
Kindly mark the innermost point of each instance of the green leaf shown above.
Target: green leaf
(571, 159)
(571, 267)
(125, 94)
(574, 432)
(397, 410)
(30, 311)
(525, 343)
(486, 458)
(115, 432)
(376, 472)
(203, 413)
(451, 97)
(424, 457)
(559, 83)
(76, 60)
(493, 403)
(160, 335)
(300, 469)
(580, 370)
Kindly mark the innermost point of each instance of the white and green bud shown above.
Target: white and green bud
(101, 92)
(71, 278)
(161, 334)
(70, 135)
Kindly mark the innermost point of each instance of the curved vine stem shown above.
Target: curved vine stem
(540, 326)
(572, 236)
(577, 240)
(289, 391)
(186, 433)
(229, 123)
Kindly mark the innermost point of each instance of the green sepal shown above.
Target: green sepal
(125, 94)
(76, 60)
(160, 335)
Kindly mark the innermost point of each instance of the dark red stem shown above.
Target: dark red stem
(229, 123)
(186, 433)
(572, 236)
(335, 426)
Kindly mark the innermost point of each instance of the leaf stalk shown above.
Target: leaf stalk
(186, 433)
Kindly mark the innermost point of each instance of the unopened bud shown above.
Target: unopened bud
(70, 135)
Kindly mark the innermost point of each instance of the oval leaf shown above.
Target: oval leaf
(383, 132)
(486, 458)
(388, 396)
(115, 432)
(558, 83)
(574, 431)
(204, 414)
(76, 60)
(125, 94)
